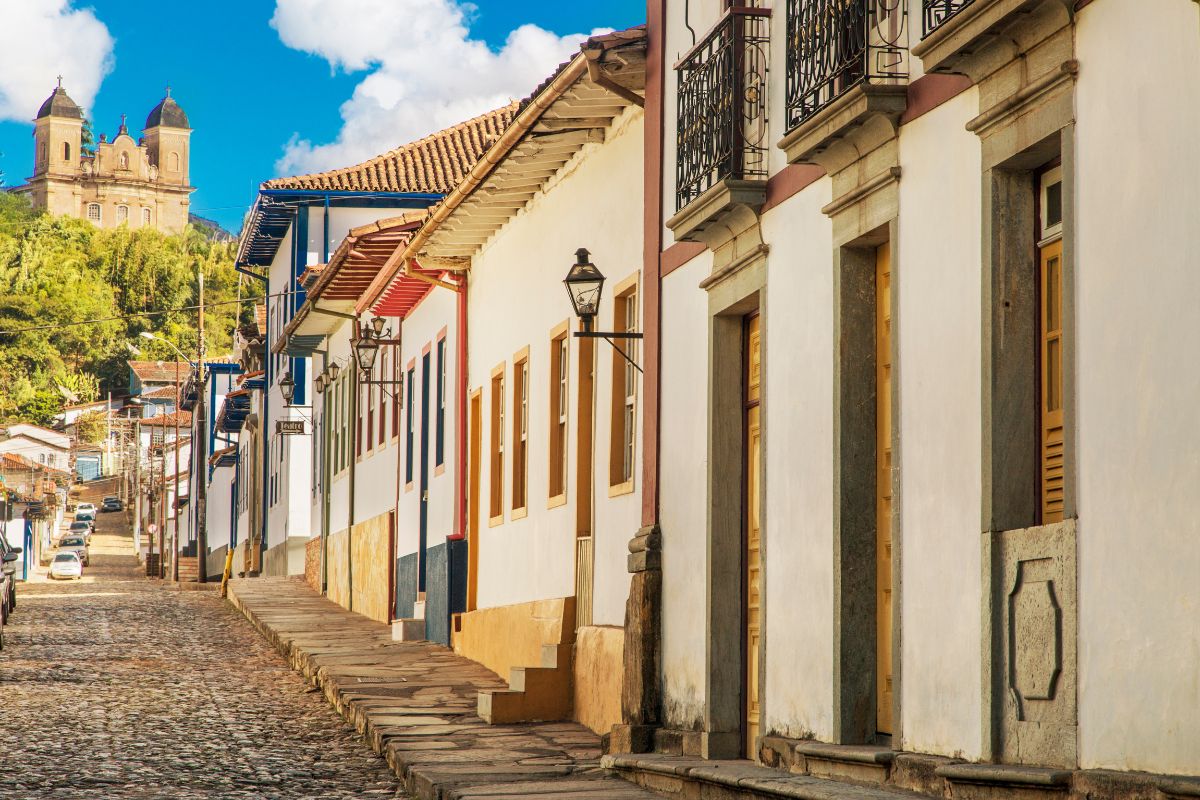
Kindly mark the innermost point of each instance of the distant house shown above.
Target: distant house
(40, 445)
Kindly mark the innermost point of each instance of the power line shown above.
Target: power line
(60, 325)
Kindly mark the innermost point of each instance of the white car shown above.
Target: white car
(66, 565)
(85, 507)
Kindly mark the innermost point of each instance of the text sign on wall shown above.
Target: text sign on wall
(289, 426)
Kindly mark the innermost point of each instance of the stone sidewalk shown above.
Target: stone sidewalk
(414, 703)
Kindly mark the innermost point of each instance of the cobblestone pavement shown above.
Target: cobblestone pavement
(119, 687)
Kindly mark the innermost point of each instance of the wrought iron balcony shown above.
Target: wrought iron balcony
(835, 45)
(935, 12)
(722, 97)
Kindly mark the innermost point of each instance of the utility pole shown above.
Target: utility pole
(200, 448)
(175, 500)
(162, 504)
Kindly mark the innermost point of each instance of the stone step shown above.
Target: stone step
(683, 777)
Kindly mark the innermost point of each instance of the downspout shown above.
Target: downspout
(357, 444)
(460, 427)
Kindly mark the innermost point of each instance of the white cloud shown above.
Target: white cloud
(41, 39)
(425, 72)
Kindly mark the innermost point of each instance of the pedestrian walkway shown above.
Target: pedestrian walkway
(124, 688)
(415, 704)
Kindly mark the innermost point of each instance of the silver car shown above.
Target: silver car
(76, 545)
(66, 565)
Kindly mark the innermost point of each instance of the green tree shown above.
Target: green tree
(91, 427)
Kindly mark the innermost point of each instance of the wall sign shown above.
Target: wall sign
(289, 426)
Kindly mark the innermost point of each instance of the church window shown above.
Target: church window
(93, 212)
(173, 162)
(145, 216)
(44, 153)
(122, 214)
(66, 151)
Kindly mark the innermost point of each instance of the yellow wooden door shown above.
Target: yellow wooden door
(883, 487)
(1051, 380)
(753, 539)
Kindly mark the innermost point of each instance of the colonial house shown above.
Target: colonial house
(40, 445)
(356, 412)
(295, 223)
(210, 523)
(520, 469)
(915, 492)
(147, 379)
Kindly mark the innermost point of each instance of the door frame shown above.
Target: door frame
(473, 498)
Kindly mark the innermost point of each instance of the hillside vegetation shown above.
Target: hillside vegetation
(58, 271)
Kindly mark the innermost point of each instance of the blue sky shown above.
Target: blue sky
(260, 107)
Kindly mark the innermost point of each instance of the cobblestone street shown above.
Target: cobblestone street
(117, 687)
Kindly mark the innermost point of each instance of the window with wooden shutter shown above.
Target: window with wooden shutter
(1050, 347)
(496, 462)
(622, 441)
(559, 363)
(520, 432)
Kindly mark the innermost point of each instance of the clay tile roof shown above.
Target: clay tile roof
(260, 318)
(159, 371)
(430, 165)
(168, 420)
(162, 393)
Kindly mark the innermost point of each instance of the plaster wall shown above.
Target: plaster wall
(338, 344)
(341, 220)
(1138, 185)
(515, 300)
(219, 508)
(798, 478)
(937, 372)
(683, 487)
(419, 331)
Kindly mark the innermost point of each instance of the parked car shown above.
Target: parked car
(77, 545)
(82, 528)
(10, 555)
(85, 507)
(111, 503)
(66, 565)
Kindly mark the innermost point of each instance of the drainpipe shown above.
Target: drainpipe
(356, 443)
(460, 488)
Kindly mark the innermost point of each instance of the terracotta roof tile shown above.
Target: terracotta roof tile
(433, 164)
(162, 393)
(159, 371)
(260, 318)
(168, 420)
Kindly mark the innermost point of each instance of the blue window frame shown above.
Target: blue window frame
(440, 440)
(408, 433)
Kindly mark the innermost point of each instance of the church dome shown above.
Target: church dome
(168, 114)
(59, 105)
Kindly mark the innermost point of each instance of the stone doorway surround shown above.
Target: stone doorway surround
(1020, 54)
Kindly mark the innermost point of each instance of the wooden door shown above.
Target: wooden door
(1051, 380)
(473, 501)
(752, 555)
(883, 488)
(583, 484)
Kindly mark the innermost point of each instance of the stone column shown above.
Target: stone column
(641, 698)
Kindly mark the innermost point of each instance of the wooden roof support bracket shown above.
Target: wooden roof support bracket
(596, 75)
(413, 272)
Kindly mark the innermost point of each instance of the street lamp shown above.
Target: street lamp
(366, 349)
(287, 387)
(319, 383)
(585, 285)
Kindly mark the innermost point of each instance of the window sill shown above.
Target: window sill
(618, 489)
(494, 521)
(519, 513)
(557, 500)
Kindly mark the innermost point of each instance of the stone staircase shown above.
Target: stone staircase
(537, 693)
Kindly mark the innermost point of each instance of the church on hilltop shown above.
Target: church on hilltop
(139, 183)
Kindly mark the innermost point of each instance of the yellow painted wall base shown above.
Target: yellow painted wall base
(312, 563)
(598, 672)
(530, 644)
(338, 569)
(371, 569)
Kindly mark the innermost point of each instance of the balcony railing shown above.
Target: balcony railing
(722, 96)
(935, 12)
(835, 45)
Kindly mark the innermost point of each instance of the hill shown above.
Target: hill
(73, 298)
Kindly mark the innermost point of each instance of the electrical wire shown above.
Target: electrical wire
(60, 325)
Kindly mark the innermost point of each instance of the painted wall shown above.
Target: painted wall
(515, 301)
(682, 489)
(1138, 186)
(434, 316)
(798, 436)
(937, 373)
